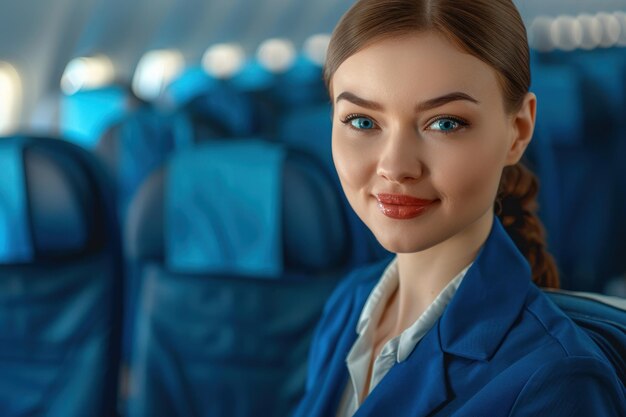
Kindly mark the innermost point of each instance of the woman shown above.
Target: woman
(431, 117)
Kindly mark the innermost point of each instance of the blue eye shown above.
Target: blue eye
(447, 124)
(360, 122)
(444, 125)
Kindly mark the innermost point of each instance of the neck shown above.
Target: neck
(423, 275)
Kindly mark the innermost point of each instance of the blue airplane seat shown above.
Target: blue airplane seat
(603, 83)
(85, 115)
(60, 282)
(605, 89)
(559, 121)
(216, 107)
(302, 85)
(580, 192)
(131, 150)
(603, 318)
(309, 128)
(139, 143)
(250, 242)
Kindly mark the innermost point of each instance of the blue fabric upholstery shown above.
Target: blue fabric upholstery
(210, 225)
(60, 314)
(131, 149)
(85, 115)
(560, 113)
(218, 343)
(302, 85)
(215, 107)
(15, 235)
(139, 143)
(576, 154)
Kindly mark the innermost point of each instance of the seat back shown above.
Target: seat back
(604, 320)
(238, 245)
(60, 282)
(569, 153)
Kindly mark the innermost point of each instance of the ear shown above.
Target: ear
(523, 126)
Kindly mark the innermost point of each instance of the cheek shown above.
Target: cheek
(471, 176)
(350, 162)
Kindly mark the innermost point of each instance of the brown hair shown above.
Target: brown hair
(492, 31)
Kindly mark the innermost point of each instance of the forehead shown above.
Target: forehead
(418, 65)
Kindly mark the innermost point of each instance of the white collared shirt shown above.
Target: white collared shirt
(396, 350)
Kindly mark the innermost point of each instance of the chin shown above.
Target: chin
(401, 244)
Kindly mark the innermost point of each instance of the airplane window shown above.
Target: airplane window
(10, 97)
(223, 60)
(87, 73)
(611, 29)
(277, 55)
(592, 31)
(540, 36)
(567, 33)
(315, 48)
(621, 18)
(584, 31)
(155, 71)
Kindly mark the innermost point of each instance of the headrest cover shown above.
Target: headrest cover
(223, 205)
(15, 236)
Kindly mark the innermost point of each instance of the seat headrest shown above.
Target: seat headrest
(49, 204)
(244, 208)
(213, 103)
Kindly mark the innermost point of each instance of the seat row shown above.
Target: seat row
(231, 249)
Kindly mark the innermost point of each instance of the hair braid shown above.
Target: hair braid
(516, 206)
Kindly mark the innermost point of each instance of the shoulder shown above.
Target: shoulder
(569, 375)
(340, 314)
(559, 327)
(571, 386)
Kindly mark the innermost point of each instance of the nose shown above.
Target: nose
(400, 160)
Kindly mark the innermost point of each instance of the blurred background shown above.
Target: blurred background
(170, 220)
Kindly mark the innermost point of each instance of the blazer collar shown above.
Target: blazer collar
(488, 300)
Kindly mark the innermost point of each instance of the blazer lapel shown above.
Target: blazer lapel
(417, 387)
(488, 301)
(331, 388)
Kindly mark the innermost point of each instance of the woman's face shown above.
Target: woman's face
(420, 139)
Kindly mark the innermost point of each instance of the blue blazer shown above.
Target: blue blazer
(501, 348)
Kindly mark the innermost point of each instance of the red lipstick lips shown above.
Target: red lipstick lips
(402, 207)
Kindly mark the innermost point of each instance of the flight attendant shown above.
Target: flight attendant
(431, 116)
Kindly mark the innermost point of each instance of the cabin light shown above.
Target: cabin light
(315, 48)
(621, 18)
(223, 60)
(276, 55)
(10, 98)
(87, 73)
(611, 29)
(155, 71)
(540, 34)
(591, 31)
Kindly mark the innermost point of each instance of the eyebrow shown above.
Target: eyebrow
(424, 106)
